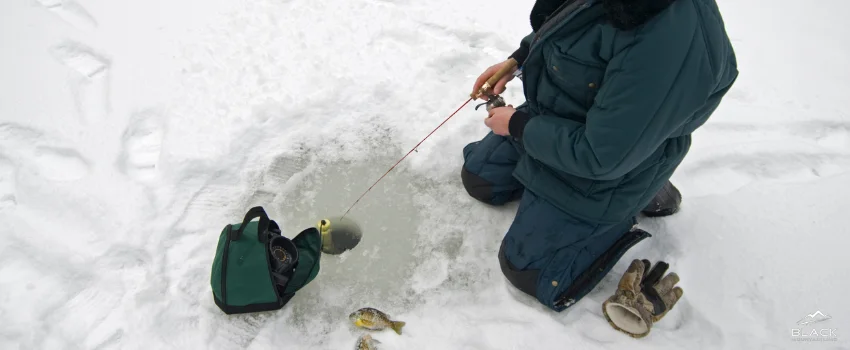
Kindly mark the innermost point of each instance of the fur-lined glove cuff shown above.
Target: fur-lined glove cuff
(642, 298)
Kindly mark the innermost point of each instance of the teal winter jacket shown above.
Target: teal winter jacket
(612, 98)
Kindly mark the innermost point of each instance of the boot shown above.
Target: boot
(665, 203)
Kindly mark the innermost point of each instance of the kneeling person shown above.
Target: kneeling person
(614, 89)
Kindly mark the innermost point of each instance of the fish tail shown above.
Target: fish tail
(397, 326)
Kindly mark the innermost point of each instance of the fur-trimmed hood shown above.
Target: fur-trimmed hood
(623, 14)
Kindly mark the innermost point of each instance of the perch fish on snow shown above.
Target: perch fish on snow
(375, 320)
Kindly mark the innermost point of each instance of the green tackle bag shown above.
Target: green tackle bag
(258, 269)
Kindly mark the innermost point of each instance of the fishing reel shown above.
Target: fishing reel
(281, 257)
(284, 256)
(493, 101)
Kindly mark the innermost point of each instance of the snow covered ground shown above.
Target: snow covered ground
(131, 132)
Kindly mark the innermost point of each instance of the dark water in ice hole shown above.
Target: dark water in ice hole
(376, 272)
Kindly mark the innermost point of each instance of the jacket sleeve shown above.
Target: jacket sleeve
(522, 52)
(652, 87)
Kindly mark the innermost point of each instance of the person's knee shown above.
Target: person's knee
(525, 281)
(487, 172)
(476, 186)
(547, 255)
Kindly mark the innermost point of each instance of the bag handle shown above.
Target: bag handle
(255, 212)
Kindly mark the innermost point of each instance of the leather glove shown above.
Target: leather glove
(642, 298)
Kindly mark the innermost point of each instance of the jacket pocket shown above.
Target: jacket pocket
(578, 79)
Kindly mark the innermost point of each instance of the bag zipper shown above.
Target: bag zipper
(224, 267)
(269, 266)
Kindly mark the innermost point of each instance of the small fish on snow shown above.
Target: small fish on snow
(366, 342)
(375, 320)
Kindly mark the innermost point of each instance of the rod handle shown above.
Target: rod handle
(509, 65)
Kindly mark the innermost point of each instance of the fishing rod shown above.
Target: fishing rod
(492, 102)
(340, 234)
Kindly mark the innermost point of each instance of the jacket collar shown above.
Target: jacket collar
(629, 14)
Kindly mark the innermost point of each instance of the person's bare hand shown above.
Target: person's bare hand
(499, 120)
(500, 85)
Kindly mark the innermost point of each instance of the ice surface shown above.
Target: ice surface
(132, 132)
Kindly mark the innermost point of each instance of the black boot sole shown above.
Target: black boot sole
(660, 213)
(665, 203)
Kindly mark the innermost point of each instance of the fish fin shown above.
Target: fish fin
(397, 326)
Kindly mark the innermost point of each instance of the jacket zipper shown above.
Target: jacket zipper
(567, 299)
(558, 22)
(552, 17)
